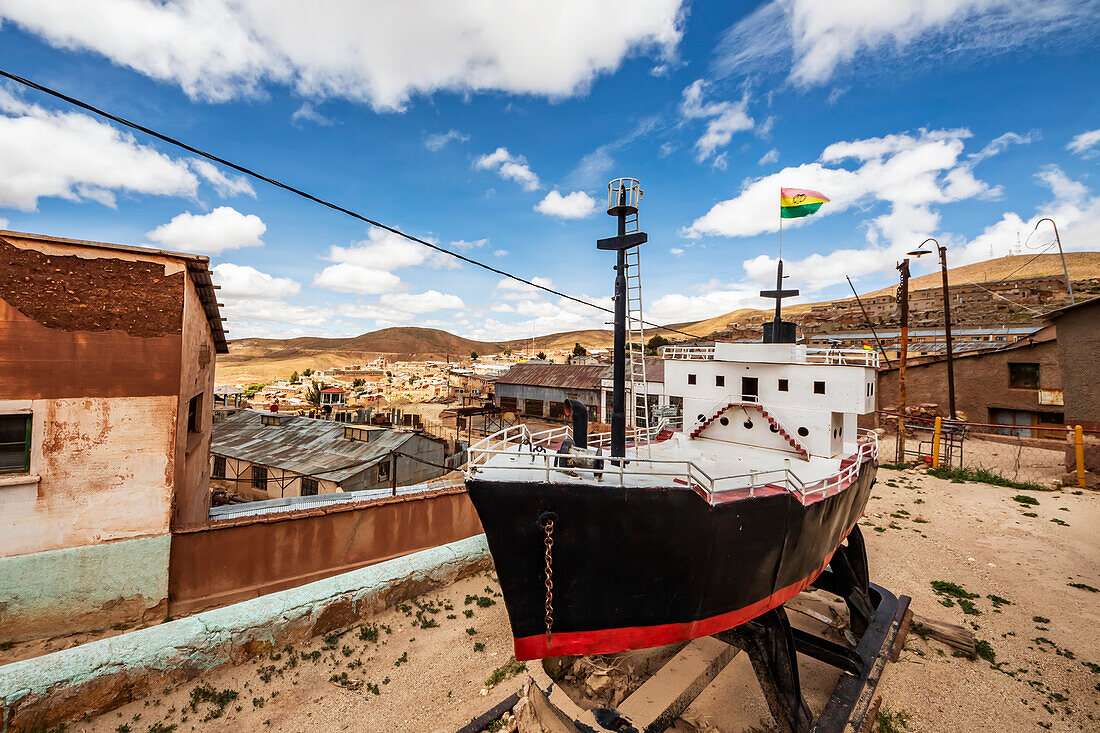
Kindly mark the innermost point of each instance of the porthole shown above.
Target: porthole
(701, 417)
(803, 432)
(725, 421)
(747, 424)
(775, 428)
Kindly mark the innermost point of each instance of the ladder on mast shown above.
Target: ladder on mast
(635, 338)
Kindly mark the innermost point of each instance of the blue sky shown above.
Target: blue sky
(493, 127)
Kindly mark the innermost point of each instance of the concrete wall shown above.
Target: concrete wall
(235, 559)
(99, 676)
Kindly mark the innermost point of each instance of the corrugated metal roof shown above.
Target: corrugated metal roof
(654, 371)
(303, 445)
(563, 376)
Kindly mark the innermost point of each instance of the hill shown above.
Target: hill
(256, 360)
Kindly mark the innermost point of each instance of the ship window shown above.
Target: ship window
(775, 428)
(782, 385)
(725, 421)
(720, 381)
(819, 388)
(701, 417)
(803, 432)
(691, 379)
(747, 424)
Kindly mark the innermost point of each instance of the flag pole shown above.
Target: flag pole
(781, 224)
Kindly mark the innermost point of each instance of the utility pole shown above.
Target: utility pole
(946, 318)
(903, 303)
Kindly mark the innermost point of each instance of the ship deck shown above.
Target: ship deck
(721, 471)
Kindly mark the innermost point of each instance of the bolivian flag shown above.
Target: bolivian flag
(795, 203)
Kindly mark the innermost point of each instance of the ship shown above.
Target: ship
(684, 525)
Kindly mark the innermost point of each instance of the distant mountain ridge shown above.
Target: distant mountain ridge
(258, 359)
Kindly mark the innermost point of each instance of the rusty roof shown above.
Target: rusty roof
(303, 445)
(562, 376)
(198, 268)
(654, 371)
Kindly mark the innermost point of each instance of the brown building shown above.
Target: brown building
(1020, 385)
(107, 356)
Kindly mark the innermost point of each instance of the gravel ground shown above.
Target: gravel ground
(1042, 631)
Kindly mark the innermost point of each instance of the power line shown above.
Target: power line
(309, 196)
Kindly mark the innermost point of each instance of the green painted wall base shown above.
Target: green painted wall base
(83, 588)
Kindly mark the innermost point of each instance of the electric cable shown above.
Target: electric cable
(299, 192)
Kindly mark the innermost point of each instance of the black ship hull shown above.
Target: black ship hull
(641, 567)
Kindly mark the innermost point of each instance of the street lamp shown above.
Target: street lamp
(1057, 239)
(946, 317)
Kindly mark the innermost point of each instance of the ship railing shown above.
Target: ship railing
(843, 357)
(688, 353)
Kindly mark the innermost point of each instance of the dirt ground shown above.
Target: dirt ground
(1019, 562)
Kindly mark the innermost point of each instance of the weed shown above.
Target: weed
(121, 627)
(1092, 667)
(451, 617)
(918, 501)
(479, 647)
(5, 645)
(468, 613)
(998, 601)
(948, 589)
(204, 693)
(894, 466)
(880, 529)
(985, 651)
(1030, 514)
(340, 679)
(258, 702)
(369, 633)
(1025, 499)
(984, 476)
(920, 629)
(123, 728)
(159, 727)
(1082, 586)
(405, 608)
(373, 688)
(1040, 619)
(1059, 521)
(347, 651)
(313, 656)
(508, 671)
(402, 659)
(471, 631)
(920, 520)
(891, 721)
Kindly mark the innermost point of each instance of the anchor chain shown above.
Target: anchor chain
(548, 527)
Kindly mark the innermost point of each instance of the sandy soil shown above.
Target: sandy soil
(919, 529)
(1013, 461)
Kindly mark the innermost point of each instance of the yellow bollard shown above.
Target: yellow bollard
(936, 443)
(1079, 445)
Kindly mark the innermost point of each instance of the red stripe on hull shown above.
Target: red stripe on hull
(609, 641)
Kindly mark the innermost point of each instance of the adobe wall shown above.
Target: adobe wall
(192, 474)
(1079, 354)
(981, 382)
(235, 559)
(89, 347)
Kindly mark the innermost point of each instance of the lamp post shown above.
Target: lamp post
(1062, 254)
(946, 318)
(903, 306)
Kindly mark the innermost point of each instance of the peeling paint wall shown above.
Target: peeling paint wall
(101, 347)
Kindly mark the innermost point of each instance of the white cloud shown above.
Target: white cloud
(509, 167)
(1084, 143)
(74, 157)
(676, 308)
(676, 251)
(576, 205)
(223, 228)
(308, 113)
(4, 223)
(226, 185)
(359, 49)
(817, 38)
(500, 252)
(439, 140)
(462, 245)
(349, 278)
(509, 285)
(426, 302)
(769, 157)
(242, 281)
(724, 118)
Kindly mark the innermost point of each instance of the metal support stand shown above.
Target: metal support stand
(848, 578)
(768, 641)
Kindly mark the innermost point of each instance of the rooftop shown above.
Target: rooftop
(303, 445)
(564, 376)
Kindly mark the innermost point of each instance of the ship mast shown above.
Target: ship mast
(779, 331)
(623, 196)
